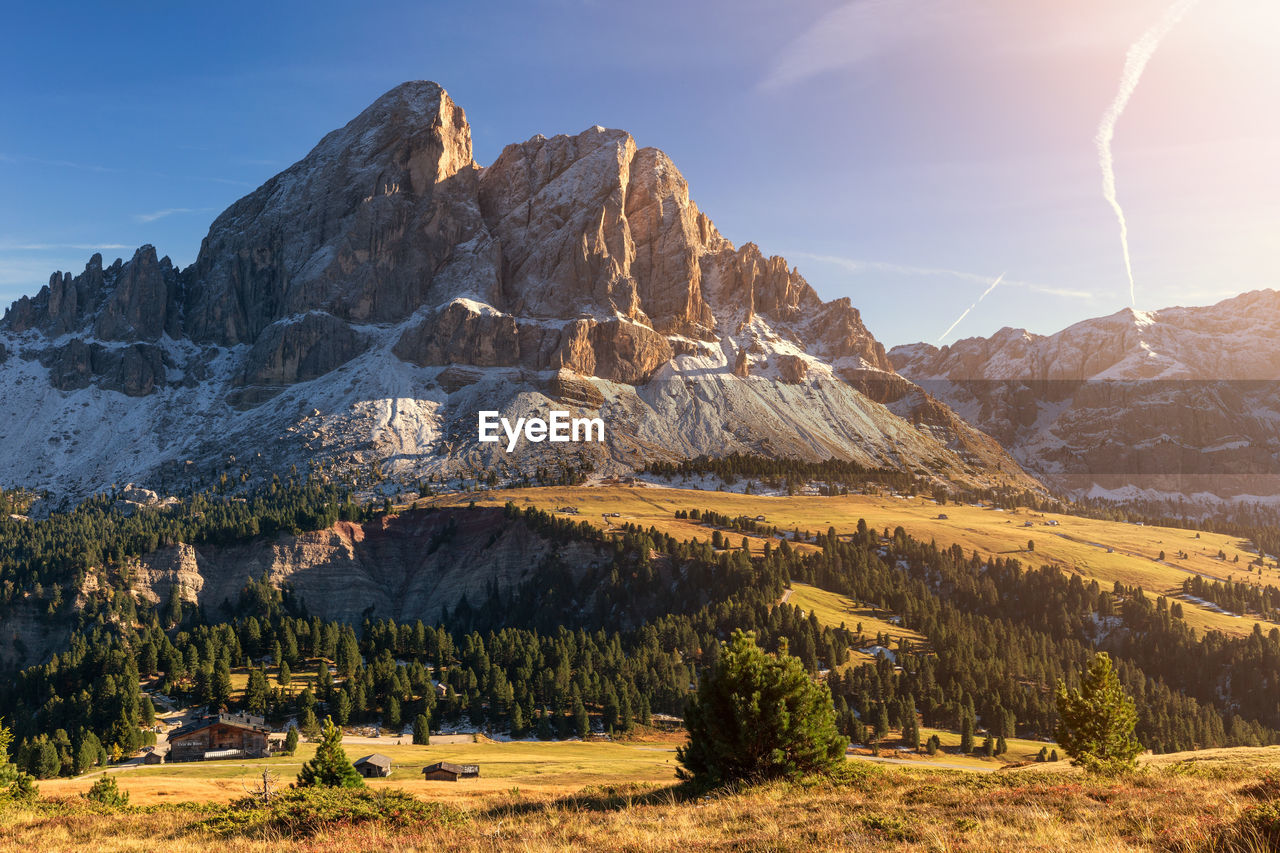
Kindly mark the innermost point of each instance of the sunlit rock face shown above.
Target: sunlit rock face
(361, 306)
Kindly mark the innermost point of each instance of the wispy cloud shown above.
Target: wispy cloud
(60, 164)
(93, 167)
(169, 211)
(856, 33)
(858, 266)
(11, 246)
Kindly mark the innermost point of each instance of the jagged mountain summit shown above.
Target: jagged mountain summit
(361, 306)
(1170, 403)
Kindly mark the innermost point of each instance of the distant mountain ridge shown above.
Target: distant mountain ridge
(1181, 401)
(359, 307)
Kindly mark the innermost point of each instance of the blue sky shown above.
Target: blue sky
(903, 153)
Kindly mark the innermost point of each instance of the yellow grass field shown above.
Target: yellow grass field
(1102, 550)
(1184, 803)
(535, 768)
(835, 609)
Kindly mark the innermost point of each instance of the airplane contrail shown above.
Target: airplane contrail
(1135, 62)
(999, 279)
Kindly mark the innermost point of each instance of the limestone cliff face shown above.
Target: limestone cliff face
(143, 305)
(358, 228)
(406, 566)
(392, 284)
(299, 350)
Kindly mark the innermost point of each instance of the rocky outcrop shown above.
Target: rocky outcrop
(404, 567)
(358, 228)
(143, 304)
(301, 350)
(460, 335)
(391, 282)
(1179, 401)
(65, 304)
(627, 352)
(134, 370)
(792, 368)
(616, 350)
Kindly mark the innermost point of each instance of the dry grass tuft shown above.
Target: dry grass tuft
(1212, 806)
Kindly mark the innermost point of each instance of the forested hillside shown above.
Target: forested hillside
(627, 637)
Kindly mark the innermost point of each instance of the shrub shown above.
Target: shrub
(105, 792)
(23, 789)
(1266, 788)
(1258, 828)
(301, 812)
(756, 717)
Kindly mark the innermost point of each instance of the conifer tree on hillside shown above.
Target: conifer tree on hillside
(759, 716)
(330, 768)
(966, 735)
(421, 730)
(1096, 721)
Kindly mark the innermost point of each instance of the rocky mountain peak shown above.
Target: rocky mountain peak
(387, 268)
(357, 228)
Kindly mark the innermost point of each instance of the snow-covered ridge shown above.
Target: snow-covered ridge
(1180, 401)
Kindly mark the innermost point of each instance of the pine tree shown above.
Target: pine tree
(255, 694)
(284, 675)
(343, 707)
(107, 793)
(330, 768)
(882, 722)
(543, 728)
(220, 689)
(758, 716)
(966, 735)
(581, 722)
(291, 741)
(47, 764)
(421, 730)
(1096, 722)
(910, 726)
(308, 724)
(173, 609)
(391, 716)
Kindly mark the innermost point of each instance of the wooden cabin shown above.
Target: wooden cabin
(220, 736)
(373, 766)
(444, 771)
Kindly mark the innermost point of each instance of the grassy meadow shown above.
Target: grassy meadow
(533, 767)
(1103, 550)
(1208, 802)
